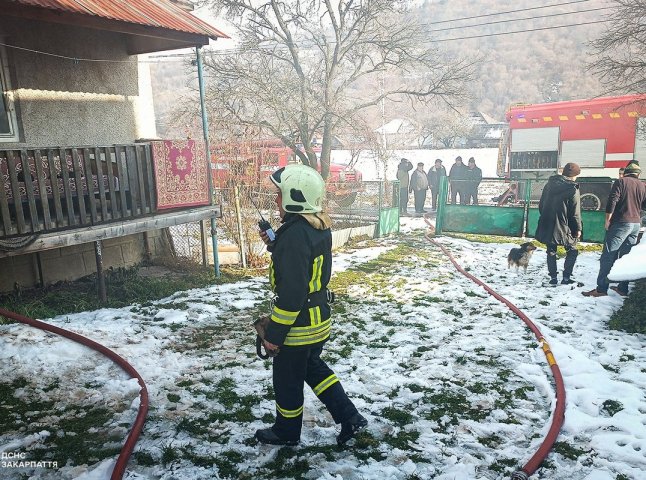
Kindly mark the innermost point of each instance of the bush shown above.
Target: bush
(631, 317)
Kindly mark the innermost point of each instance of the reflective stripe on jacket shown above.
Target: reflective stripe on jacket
(301, 264)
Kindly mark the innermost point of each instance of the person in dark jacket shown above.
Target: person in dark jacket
(419, 185)
(474, 177)
(299, 272)
(627, 198)
(560, 221)
(457, 177)
(434, 175)
(403, 168)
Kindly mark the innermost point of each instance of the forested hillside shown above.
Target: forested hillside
(547, 64)
(538, 66)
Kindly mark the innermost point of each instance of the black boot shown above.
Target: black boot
(351, 427)
(267, 435)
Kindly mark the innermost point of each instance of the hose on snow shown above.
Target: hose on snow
(133, 436)
(559, 412)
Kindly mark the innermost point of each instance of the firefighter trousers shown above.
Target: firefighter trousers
(292, 368)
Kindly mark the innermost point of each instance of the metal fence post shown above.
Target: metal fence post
(381, 200)
(528, 197)
(441, 205)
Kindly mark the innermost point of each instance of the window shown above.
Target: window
(8, 124)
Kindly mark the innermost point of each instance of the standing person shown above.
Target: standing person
(474, 177)
(435, 175)
(627, 198)
(402, 175)
(457, 176)
(419, 185)
(560, 221)
(299, 326)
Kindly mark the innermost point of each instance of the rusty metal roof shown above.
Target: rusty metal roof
(152, 13)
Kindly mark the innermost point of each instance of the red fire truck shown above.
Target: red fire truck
(601, 135)
(251, 162)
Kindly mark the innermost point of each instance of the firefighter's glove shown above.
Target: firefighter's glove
(271, 350)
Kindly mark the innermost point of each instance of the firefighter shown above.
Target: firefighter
(299, 272)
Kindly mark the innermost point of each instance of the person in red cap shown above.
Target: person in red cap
(560, 221)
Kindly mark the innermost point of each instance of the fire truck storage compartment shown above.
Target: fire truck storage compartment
(640, 141)
(534, 149)
(586, 153)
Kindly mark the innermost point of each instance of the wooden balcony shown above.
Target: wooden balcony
(68, 195)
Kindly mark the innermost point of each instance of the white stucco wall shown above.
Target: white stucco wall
(63, 102)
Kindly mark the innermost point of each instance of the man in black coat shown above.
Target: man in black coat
(560, 220)
(457, 177)
(474, 177)
(434, 176)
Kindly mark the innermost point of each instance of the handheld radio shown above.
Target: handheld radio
(263, 224)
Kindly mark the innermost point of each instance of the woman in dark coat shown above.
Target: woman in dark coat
(560, 220)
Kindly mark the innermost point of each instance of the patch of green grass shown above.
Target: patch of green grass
(402, 439)
(504, 465)
(397, 416)
(610, 368)
(289, 464)
(124, 286)
(611, 407)
(490, 441)
(563, 328)
(631, 317)
(144, 458)
(568, 451)
(173, 397)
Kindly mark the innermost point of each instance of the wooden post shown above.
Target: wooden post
(41, 276)
(147, 250)
(103, 296)
(205, 261)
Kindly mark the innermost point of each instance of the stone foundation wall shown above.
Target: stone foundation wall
(71, 263)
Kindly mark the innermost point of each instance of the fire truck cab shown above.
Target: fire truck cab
(251, 163)
(601, 135)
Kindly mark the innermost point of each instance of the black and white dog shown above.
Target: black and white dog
(519, 257)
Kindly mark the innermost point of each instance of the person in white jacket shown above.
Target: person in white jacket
(419, 185)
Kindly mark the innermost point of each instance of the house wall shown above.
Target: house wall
(71, 263)
(63, 102)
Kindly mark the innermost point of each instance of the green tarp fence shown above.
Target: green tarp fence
(510, 221)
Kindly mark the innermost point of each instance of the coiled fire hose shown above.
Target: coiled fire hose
(559, 412)
(129, 445)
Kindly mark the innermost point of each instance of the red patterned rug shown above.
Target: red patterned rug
(180, 173)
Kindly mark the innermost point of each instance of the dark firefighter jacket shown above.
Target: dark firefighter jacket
(301, 266)
(560, 210)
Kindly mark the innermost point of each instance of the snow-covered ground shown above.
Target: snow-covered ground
(454, 385)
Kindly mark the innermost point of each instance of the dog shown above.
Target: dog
(519, 257)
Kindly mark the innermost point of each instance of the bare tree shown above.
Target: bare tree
(443, 127)
(621, 51)
(303, 66)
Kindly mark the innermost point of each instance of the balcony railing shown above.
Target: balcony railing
(50, 189)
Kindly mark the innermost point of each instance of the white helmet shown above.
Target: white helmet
(302, 188)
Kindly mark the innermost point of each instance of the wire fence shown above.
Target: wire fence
(350, 204)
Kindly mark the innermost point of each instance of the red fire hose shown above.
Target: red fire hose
(559, 412)
(129, 445)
